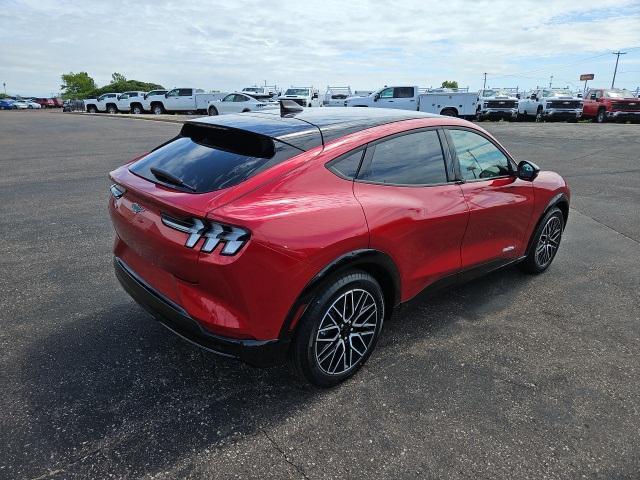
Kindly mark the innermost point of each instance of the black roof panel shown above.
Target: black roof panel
(314, 126)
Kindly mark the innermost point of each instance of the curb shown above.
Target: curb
(149, 118)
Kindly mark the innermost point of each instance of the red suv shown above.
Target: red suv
(611, 104)
(263, 236)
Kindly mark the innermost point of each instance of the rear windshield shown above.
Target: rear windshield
(207, 158)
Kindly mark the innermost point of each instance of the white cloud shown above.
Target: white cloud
(363, 44)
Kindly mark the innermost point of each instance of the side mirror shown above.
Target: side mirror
(528, 171)
(166, 95)
(376, 97)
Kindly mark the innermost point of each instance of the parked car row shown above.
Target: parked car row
(543, 104)
(20, 103)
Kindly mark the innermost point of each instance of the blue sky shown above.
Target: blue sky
(364, 44)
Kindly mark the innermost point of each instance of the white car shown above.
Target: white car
(238, 103)
(24, 104)
(335, 96)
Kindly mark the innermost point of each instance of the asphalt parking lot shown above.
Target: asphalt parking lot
(510, 376)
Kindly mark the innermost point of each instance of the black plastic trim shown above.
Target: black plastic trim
(352, 259)
(259, 353)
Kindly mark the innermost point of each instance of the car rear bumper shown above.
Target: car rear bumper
(259, 353)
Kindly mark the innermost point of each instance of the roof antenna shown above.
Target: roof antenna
(288, 108)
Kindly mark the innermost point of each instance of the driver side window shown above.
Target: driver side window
(173, 93)
(478, 157)
(229, 98)
(386, 93)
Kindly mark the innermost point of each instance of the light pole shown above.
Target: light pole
(550, 81)
(484, 85)
(4, 85)
(615, 70)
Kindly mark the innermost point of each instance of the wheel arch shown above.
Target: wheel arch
(560, 200)
(374, 262)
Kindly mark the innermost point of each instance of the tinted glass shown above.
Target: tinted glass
(403, 92)
(348, 165)
(240, 98)
(185, 92)
(413, 159)
(206, 168)
(478, 157)
(229, 98)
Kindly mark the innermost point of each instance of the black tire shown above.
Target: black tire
(136, 109)
(601, 116)
(212, 111)
(539, 117)
(112, 109)
(92, 109)
(544, 243)
(157, 109)
(313, 357)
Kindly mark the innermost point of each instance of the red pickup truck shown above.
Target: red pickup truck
(615, 104)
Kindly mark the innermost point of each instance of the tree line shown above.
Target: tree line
(80, 85)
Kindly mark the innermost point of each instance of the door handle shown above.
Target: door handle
(390, 101)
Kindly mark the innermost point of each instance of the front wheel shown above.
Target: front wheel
(339, 330)
(112, 109)
(157, 109)
(136, 109)
(545, 242)
(601, 117)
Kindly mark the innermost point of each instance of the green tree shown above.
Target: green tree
(77, 85)
(118, 78)
(449, 84)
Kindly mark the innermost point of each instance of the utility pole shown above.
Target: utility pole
(550, 81)
(615, 70)
(484, 86)
(4, 85)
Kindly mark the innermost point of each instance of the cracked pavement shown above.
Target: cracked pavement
(510, 376)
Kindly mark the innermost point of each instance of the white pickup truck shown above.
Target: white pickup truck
(125, 100)
(182, 100)
(107, 102)
(142, 103)
(304, 96)
(441, 101)
(550, 104)
(261, 93)
(335, 96)
(497, 103)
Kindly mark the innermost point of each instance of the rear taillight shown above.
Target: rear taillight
(214, 233)
(117, 190)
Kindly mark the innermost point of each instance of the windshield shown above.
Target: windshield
(297, 91)
(495, 93)
(618, 93)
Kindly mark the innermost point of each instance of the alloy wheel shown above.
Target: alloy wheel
(549, 241)
(346, 332)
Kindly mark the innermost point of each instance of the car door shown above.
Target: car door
(500, 204)
(172, 100)
(415, 211)
(186, 99)
(589, 104)
(226, 105)
(241, 103)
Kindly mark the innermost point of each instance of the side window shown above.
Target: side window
(185, 92)
(477, 156)
(133, 94)
(347, 165)
(386, 93)
(173, 93)
(229, 98)
(598, 94)
(240, 98)
(413, 159)
(403, 92)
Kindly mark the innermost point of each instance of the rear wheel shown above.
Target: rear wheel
(545, 242)
(339, 330)
(92, 109)
(136, 109)
(212, 111)
(449, 112)
(112, 109)
(539, 117)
